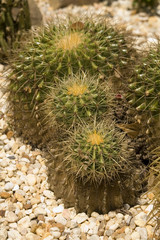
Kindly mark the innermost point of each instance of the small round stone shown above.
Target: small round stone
(31, 179)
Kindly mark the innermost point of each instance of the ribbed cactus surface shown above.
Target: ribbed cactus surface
(145, 84)
(96, 151)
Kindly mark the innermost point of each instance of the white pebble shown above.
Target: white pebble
(111, 214)
(114, 226)
(149, 208)
(142, 232)
(119, 216)
(58, 209)
(13, 234)
(93, 237)
(31, 179)
(94, 214)
(16, 187)
(141, 219)
(42, 199)
(81, 217)
(22, 149)
(9, 186)
(24, 222)
(4, 162)
(84, 227)
(3, 233)
(60, 219)
(11, 217)
(32, 236)
(49, 238)
(56, 234)
(48, 193)
(135, 236)
(39, 210)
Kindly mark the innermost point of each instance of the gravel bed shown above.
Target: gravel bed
(28, 209)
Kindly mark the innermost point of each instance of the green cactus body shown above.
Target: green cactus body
(59, 50)
(14, 18)
(145, 85)
(79, 98)
(154, 187)
(145, 4)
(93, 165)
(96, 152)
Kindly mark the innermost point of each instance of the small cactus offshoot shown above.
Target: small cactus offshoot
(78, 98)
(95, 152)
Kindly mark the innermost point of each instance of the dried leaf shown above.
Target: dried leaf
(132, 129)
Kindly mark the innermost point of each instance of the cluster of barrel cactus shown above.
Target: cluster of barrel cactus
(14, 18)
(66, 89)
(77, 89)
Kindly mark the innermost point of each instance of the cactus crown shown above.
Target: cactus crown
(95, 138)
(77, 90)
(70, 41)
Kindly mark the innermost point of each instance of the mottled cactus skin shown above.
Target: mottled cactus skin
(78, 98)
(14, 18)
(144, 86)
(61, 50)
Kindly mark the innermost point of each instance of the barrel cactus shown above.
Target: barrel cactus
(144, 86)
(14, 18)
(77, 98)
(96, 152)
(96, 163)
